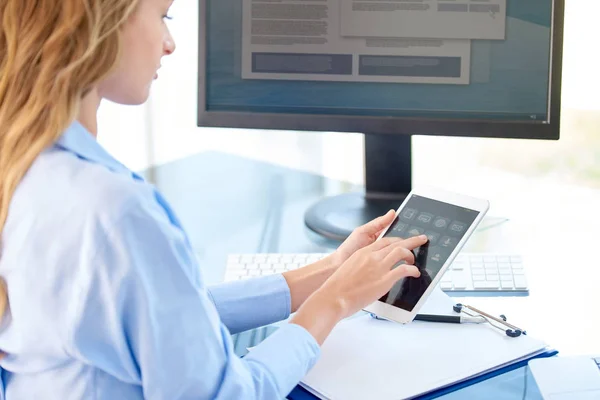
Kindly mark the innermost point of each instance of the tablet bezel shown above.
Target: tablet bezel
(393, 313)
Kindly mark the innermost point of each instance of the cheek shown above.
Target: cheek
(130, 82)
(142, 50)
(126, 85)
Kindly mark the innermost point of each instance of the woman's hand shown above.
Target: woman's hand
(361, 237)
(367, 274)
(303, 282)
(359, 281)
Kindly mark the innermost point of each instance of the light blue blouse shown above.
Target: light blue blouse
(107, 300)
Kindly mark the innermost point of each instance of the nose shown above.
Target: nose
(169, 44)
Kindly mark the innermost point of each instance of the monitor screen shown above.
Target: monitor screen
(446, 59)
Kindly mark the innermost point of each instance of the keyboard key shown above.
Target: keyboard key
(292, 266)
(460, 284)
(254, 272)
(520, 282)
(287, 259)
(489, 259)
(458, 266)
(504, 266)
(517, 266)
(461, 258)
(233, 258)
(247, 259)
(476, 259)
(503, 259)
(486, 285)
(446, 285)
(265, 266)
(492, 277)
(516, 259)
(479, 278)
(273, 259)
(507, 284)
(235, 266)
(260, 258)
(279, 271)
(251, 266)
(491, 266)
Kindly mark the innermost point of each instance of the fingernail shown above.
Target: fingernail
(423, 237)
(416, 270)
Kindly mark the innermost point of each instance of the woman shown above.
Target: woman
(102, 296)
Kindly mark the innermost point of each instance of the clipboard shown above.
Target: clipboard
(364, 357)
(299, 393)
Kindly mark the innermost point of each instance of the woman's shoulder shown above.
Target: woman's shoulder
(62, 183)
(66, 206)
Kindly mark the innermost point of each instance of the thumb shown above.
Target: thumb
(403, 271)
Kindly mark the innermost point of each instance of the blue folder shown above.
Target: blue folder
(483, 384)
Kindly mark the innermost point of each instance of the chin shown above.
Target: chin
(130, 97)
(138, 101)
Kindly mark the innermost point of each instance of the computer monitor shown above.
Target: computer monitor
(388, 69)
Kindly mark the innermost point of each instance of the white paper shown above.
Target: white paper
(445, 19)
(438, 303)
(368, 358)
(300, 40)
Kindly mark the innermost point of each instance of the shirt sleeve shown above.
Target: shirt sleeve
(252, 303)
(145, 317)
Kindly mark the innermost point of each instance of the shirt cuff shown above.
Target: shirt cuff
(252, 303)
(288, 354)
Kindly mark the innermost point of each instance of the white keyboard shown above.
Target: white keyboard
(470, 273)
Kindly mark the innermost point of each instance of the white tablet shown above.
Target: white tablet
(448, 219)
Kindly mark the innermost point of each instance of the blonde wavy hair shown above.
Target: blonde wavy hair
(52, 53)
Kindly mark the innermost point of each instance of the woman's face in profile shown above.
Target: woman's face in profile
(146, 39)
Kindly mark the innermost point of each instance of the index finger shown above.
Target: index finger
(384, 242)
(415, 241)
(380, 223)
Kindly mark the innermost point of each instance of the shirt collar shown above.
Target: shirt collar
(77, 140)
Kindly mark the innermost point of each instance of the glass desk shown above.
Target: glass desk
(230, 204)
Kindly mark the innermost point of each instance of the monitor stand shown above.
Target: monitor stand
(388, 178)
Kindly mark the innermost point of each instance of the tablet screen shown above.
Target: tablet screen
(445, 225)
